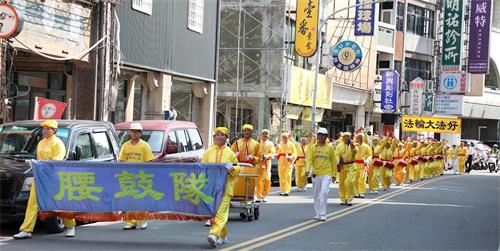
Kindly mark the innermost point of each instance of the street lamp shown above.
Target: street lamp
(316, 71)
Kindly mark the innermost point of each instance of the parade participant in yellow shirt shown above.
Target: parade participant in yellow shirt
(136, 150)
(453, 158)
(266, 153)
(438, 153)
(49, 148)
(363, 157)
(286, 155)
(346, 152)
(374, 171)
(412, 161)
(463, 152)
(220, 153)
(400, 154)
(420, 153)
(300, 165)
(387, 156)
(246, 148)
(321, 161)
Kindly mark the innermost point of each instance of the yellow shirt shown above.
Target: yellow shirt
(386, 154)
(266, 148)
(345, 153)
(301, 154)
(51, 148)
(322, 160)
(463, 152)
(286, 149)
(246, 147)
(216, 154)
(364, 152)
(140, 152)
(453, 153)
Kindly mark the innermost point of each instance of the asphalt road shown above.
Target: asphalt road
(444, 213)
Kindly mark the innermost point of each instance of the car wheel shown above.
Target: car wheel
(54, 225)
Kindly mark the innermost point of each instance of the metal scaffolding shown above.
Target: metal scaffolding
(251, 61)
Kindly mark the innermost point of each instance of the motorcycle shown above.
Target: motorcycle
(492, 163)
(479, 162)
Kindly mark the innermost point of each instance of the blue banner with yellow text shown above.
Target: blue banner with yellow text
(83, 186)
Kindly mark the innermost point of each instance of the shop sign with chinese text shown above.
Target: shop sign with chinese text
(431, 124)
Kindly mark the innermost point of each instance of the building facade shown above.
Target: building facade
(168, 62)
(39, 64)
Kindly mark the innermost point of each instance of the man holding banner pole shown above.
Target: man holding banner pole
(136, 150)
(49, 148)
(220, 153)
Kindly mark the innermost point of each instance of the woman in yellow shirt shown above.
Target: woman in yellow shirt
(220, 153)
(49, 148)
(286, 156)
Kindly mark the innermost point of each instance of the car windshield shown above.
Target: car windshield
(154, 138)
(24, 139)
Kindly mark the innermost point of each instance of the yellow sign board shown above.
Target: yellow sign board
(431, 124)
(302, 87)
(293, 111)
(306, 27)
(307, 114)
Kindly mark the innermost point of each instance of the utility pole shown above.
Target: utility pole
(3, 80)
(105, 60)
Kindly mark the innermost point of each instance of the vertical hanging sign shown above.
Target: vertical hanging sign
(389, 91)
(417, 87)
(452, 35)
(306, 27)
(479, 43)
(365, 15)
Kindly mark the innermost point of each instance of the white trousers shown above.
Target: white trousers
(321, 186)
(454, 165)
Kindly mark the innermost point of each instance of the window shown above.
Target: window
(118, 114)
(144, 6)
(28, 85)
(400, 16)
(102, 144)
(384, 64)
(153, 138)
(194, 136)
(172, 139)
(85, 143)
(181, 99)
(386, 9)
(420, 21)
(137, 100)
(195, 15)
(183, 140)
(417, 68)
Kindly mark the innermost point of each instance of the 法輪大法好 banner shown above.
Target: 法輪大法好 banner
(431, 124)
(192, 190)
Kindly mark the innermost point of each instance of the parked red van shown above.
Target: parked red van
(181, 139)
